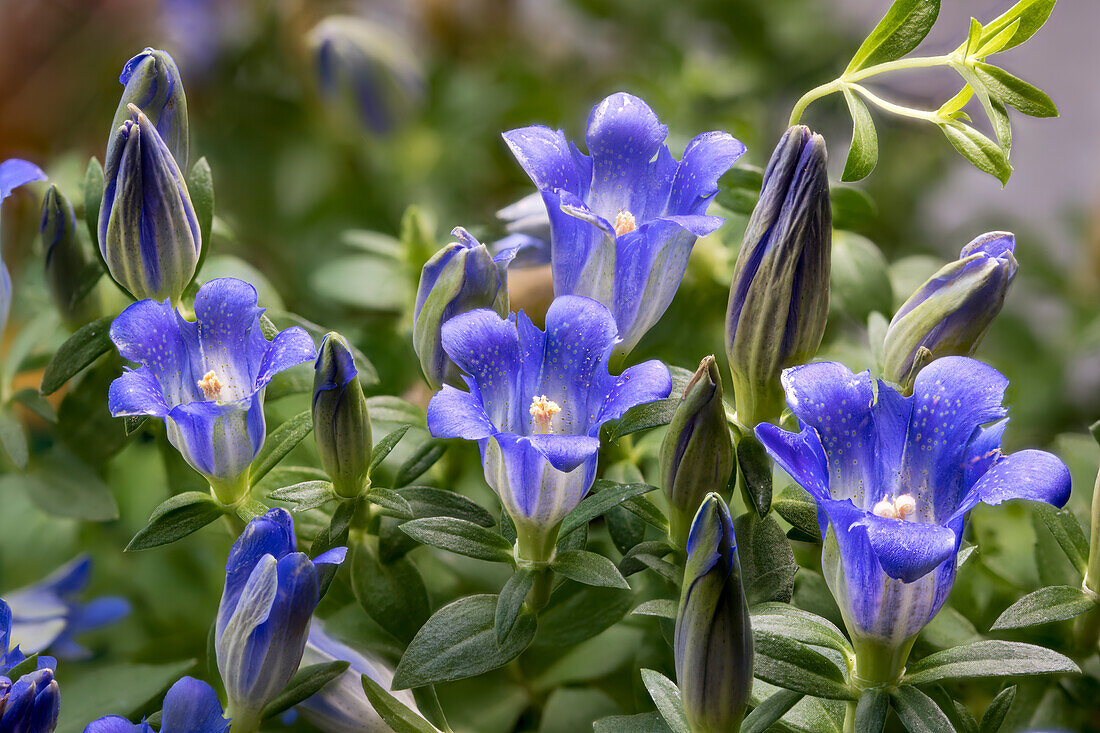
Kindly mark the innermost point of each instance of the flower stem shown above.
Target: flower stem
(245, 721)
(539, 595)
(1092, 574)
(811, 96)
(850, 716)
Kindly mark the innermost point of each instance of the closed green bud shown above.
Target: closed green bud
(341, 423)
(67, 259)
(713, 642)
(697, 453)
(153, 84)
(779, 297)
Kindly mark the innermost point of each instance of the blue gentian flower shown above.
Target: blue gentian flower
(13, 174)
(190, 706)
(31, 703)
(535, 406)
(206, 378)
(894, 478)
(152, 84)
(49, 614)
(624, 218)
(341, 706)
(270, 593)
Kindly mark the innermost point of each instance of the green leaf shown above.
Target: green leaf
(901, 30)
(770, 711)
(459, 641)
(997, 42)
(604, 495)
(755, 474)
(428, 501)
(659, 607)
(33, 400)
(645, 510)
(461, 537)
(132, 423)
(871, 711)
(767, 561)
(200, 186)
(852, 207)
(994, 108)
(631, 562)
(666, 696)
(384, 408)
(279, 443)
(918, 713)
(13, 439)
(795, 666)
(383, 447)
(589, 568)
(989, 659)
(644, 417)
(94, 183)
(799, 510)
(63, 485)
(1067, 531)
(1031, 14)
(1046, 605)
(176, 518)
(973, 38)
(249, 509)
(651, 722)
(510, 601)
(393, 503)
(90, 342)
(392, 593)
(132, 687)
(397, 715)
(795, 623)
(305, 495)
(1015, 92)
(863, 153)
(578, 612)
(997, 711)
(419, 462)
(305, 683)
(29, 664)
(982, 152)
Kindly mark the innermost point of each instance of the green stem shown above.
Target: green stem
(880, 663)
(1092, 575)
(811, 96)
(917, 114)
(850, 716)
(539, 594)
(245, 721)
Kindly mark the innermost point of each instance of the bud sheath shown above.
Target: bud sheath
(341, 423)
(153, 84)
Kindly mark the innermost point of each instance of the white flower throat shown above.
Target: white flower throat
(624, 223)
(211, 386)
(543, 411)
(900, 508)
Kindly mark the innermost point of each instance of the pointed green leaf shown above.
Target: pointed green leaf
(795, 666)
(392, 593)
(604, 495)
(1015, 92)
(305, 683)
(982, 152)
(510, 601)
(176, 518)
(200, 185)
(383, 447)
(90, 342)
(918, 712)
(279, 443)
(305, 495)
(461, 537)
(397, 715)
(997, 711)
(904, 26)
(666, 696)
(871, 711)
(589, 568)
(1068, 533)
(989, 659)
(863, 153)
(1031, 14)
(419, 462)
(94, 183)
(1046, 605)
(770, 711)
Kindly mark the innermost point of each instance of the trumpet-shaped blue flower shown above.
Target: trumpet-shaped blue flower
(13, 174)
(190, 706)
(205, 378)
(49, 614)
(535, 405)
(894, 478)
(624, 218)
(270, 593)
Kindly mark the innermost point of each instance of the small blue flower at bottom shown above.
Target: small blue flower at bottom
(205, 378)
(894, 478)
(535, 405)
(191, 706)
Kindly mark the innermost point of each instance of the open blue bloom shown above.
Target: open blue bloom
(13, 174)
(894, 478)
(31, 703)
(205, 378)
(535, 406)
(49, 614)
(270, 593)
(191, 706)
(624, 218)
(342, 706)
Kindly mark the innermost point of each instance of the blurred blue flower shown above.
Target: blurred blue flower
(206, 378)
(535, 406)
(624, 219)
(49, 614)
(148, 229)
(341, 706)
(894, 478)
(13, 174)
(528, 227)
(190, 706)
(152, 84)
(270, 593)
(31, 703)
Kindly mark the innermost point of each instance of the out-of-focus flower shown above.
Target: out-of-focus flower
(205, 379)
(67, 259)
(31, 703)
(341, 706)
(13, 174)
(535, 405)
(713, 641)
(148, 229)
(49, 614)
(894, 478)
(528, 227)
(696, 456)
(153, 85)
(366, 69)
(952, 311)
(190, 706)
(779, 297)
(263, 619)
(460, 277)
(341, 423)
(624, 219)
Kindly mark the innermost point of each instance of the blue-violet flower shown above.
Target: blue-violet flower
(190, 706)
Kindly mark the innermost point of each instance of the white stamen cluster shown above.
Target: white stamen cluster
(543, 410)
(899, 508)
(624, 223)
(210, 384)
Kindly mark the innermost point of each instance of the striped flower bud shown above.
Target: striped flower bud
(153, 84)
(67, 259)
(341, 424)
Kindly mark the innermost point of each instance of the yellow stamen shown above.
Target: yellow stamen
(211, 386)
(543, 410)
(624, 223)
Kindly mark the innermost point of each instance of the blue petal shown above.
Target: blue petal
(530, 488)
(453, 413)
(707, 157)
(1034, 475)
(99, 612)
(335, 556)
(623, 137)
(639, 384)
(991, 244)
(192, 706)
(136, 392)
(907, 550)
(289, 348)
(115, 724)
(431, 272)
(272, 534)
(565, 452)
(486, 347)
(14, 173)
(218, 439)
(984, 451)
(800, 455)
(229, 339)
(547, 157)
(151, 334)
(582, 248)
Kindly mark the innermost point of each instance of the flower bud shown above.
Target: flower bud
(713, 642)
(148, 231)
(779, 298)
(697, 453)
(951, 312)
(461, 277)
(13, 174)
(153, 84)
(30, 703)
(67, 258)
(341, 424)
